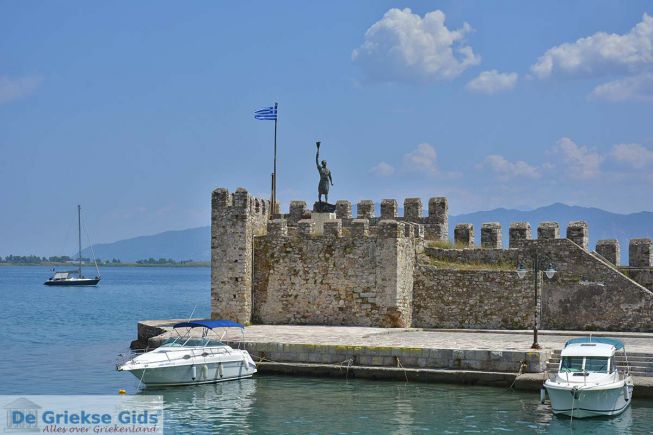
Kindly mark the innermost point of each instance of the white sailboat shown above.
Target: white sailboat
(75, 277)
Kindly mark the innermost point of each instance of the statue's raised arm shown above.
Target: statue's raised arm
(317, 157)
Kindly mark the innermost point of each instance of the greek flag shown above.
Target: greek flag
(267, 113)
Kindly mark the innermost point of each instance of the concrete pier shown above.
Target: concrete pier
(481, 357)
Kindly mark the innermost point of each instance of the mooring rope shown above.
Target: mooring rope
(522, 365)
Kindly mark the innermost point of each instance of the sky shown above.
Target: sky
(138, 110)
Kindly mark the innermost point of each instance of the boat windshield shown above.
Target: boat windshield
(191, 342)
(571, 364)
(596, 364)
(578, 364)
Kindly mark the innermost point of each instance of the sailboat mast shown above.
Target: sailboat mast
(79, 236)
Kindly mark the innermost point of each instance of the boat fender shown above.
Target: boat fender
(205, 371)
(542, 395)
(193, 372)
(220, 371)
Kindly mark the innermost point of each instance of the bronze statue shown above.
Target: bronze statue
(325, 177)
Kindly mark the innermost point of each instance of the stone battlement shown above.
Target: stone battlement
(435, 224)
(389, 270)
(356, 228)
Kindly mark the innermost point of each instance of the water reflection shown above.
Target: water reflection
(276, 404)
(212, 408)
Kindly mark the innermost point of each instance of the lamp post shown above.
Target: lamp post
(538, 264)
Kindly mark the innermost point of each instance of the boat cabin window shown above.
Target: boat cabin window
(596, 364)
(198, 342)
(578, 364)
(571, 364)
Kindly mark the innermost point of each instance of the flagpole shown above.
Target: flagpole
(274, 177)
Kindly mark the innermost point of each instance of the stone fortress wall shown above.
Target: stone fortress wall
(401, 271)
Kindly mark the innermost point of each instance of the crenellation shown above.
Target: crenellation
(413, 209)
(221, 198)
(389, 229)
(409, 229)
(439, 210)
(365, 209)
(360, 228)
(463, 235)
(242, 199)
(343, 209)
(306, 227)
(298, 209)
(378, 271)
(333, 228)
(389, 209)
(548, 230)
(518, 232)
(578, 232)
(610, 250)
(437, 223)
(491, 235)
(640, 253)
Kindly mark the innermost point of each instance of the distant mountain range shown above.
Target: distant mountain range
(194, 243)
(191, 244)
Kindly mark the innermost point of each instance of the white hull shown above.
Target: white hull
(589, 401)
(189, 366)
(204, 373)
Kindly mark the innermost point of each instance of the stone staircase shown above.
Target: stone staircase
(641, 364)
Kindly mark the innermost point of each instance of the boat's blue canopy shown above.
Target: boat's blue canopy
(618, 344)
(210, 324)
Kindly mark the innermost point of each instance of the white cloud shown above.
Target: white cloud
(491, 82)
(601, 53)
(506, 169)
(635, 88)
(15, 88)
(403, 46)
(421, 159)
(383, 169)
(633, 154)
(580, 161)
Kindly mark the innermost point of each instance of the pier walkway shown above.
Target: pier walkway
(487, 357)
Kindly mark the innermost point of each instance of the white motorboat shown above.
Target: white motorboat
(187, 360)
(588, 382)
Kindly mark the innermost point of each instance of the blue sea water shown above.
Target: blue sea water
(65, 341)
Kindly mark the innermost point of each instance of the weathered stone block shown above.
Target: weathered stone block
(343, 209)
(491, 235)
(548, 230)
(578, 232)
(413, 209)
(389, 209)
(241, 198)
(517, 232)
(389, 229)
(306, 227)
(610, 250)
(221, 198)
(278, 228)
(360, 228)
(333, 228)
(365, 209)
(297, 211)
(463, 235)
(409, 229)
(439, 210)
(640, 253)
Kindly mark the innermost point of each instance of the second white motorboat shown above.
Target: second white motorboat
(588, 382)
(186, 360)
